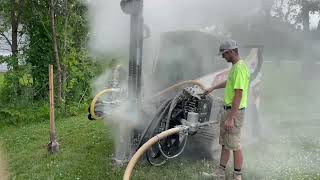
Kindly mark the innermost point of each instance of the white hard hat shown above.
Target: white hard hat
(227, 45)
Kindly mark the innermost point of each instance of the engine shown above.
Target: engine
(186, 108)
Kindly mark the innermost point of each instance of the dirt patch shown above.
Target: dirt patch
(3, 169)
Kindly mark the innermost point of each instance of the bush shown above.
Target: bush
(23, 113)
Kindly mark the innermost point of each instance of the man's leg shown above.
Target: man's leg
(220, 172)
(224, 158)
(238, 160)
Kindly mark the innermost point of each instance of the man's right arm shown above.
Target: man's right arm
(218, 86)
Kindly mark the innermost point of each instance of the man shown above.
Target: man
(235, 102)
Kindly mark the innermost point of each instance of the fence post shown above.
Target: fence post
(53, 145)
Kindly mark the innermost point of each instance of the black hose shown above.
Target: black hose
(160, 111)
(178, 153)
(172, 106)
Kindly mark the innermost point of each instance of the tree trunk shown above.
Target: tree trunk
(66, 23)
(55, 50)
(305, 16)
(14, 42)
(318, 27)
(14, 32)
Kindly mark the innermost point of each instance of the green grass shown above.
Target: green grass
(85, 150)
(85, 153)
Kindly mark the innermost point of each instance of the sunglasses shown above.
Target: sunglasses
(224, 51)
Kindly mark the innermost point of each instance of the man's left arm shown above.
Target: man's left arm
(229, 124)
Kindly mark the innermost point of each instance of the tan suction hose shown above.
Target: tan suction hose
(115, 76)
(93, 103)
(148, 145)
(191, 82)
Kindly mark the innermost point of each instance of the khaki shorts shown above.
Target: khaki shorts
(231, 139)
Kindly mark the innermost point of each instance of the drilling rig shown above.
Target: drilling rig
(176, 101)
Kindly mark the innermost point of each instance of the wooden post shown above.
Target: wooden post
(53, 145)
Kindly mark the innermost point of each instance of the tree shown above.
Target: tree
(296, 12)
(11, 13)
(308, 7)
(286, 10)
(55, 48)
(12, 31)
(54, 31)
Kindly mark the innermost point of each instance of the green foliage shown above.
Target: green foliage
(28, 83)
(20, 91)
(21, 114)
(39, 52)
(1, 81)
(81, 69)
(5, 9)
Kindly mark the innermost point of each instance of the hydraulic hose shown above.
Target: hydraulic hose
(164, 107)
(192, 82)
(93, 102)
(172, 106)
(147, 145)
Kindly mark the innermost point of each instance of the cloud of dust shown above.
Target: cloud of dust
(285, 147)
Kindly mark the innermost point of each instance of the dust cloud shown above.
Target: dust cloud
(287, 142)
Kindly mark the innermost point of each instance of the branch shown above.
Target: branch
(8, 41)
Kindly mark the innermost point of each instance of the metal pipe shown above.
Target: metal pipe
(132, 81)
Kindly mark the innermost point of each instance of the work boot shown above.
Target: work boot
(218, 174)
(236, 175)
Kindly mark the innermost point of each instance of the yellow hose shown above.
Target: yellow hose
(93, 103)
(146, 146)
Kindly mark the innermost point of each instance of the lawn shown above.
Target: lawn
(85, 153)
(85, 150)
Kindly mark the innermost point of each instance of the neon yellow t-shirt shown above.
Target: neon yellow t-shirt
(239, 78)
